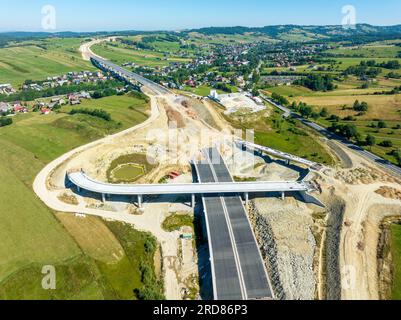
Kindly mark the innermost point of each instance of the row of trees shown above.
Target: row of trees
(5, 121)
(307, 111)
(393, 75)
(223, 87)
(395, 90)
(362, 71)
(348, 131)
(98, 113)
(152, 288)
(98, 94)
(392, 64)
(280, 99)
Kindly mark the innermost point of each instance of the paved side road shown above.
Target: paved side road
(388, 166)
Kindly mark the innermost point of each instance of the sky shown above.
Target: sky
(113, 15)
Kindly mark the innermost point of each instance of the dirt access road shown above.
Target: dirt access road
(357, 186)
(86, 50)
(95, 159)
(358, 236)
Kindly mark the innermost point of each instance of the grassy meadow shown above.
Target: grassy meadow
(339, 102)
(368, 51)
(32, 236)
(204, 90)
(121, 54)
(275, 132)
(37, 60)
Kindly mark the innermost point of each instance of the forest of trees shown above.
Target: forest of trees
(316, 82)
(98, 113)
(371, 69)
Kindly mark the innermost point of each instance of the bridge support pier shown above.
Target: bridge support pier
(246, 199)
(79, 189)
(193, 201)
(103, 198)
(283, 196)
(140, 200)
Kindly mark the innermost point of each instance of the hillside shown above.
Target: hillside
(310, 33)
(279, 32)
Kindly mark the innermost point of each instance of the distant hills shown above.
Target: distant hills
(361, 32)
(309, 33)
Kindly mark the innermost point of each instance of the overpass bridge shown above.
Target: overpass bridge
(278, 154)
(82, 181)
(238, 271)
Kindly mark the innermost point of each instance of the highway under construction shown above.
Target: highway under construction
(238, 269)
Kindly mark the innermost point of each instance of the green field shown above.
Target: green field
(387, 134)
(342, 63)
(124, 109)
(340, 101)
(297, 144)
(290, 91)
(218, 39)
(120, 54)
(368, 51)
(350, 86)
(205, 90)
(38, 60)
(275, 132)
(396, 255)
(30, 234)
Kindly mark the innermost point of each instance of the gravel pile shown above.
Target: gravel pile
(288, 246)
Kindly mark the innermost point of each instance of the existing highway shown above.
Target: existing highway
(328, 134)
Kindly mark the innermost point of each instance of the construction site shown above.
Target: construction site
(320, 249)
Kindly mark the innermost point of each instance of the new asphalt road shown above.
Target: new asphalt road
(253, 270)
(232, 241)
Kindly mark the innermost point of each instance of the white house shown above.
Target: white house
(214, 94)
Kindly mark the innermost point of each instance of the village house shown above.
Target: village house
(17, 108)
(45, 111)
(75, 98)
(59, 101)
(75, 78)
(5, 107)
(6, 89)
